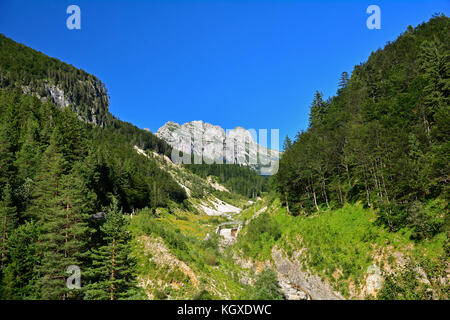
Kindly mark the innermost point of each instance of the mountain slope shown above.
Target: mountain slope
(236, 146)
(376, 156)
(32, 72)
(50, 79)
(69, 172)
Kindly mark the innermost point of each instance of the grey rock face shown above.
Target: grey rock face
(214, 144)
(57, 96)
(311, 285)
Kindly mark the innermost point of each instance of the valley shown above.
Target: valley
(356, 208)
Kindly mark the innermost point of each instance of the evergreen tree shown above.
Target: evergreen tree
(61, 205)
(7, 146)
(28, 156)
(8, 222)
(266, 286)
(343, 81)
(287, 144)
(19, 276)
(318, 110)
(113, 269)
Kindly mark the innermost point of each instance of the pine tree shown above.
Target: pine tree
(287, 143)
(434, 62)
(19, 275)
(343, 81)
(8, 221)
(61, 204)
(318, 110)
(112, 274)
(27, 157)
(7, 149)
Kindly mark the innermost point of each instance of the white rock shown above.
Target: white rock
(214, 144)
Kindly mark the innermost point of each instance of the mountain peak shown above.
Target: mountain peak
(210, 141)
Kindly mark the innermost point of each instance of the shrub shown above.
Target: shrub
(203, 295)
(266, 286)
(210, 257)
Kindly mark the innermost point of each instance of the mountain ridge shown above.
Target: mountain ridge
(212, 142)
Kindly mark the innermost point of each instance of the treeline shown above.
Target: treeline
(56, 175)
(383, 139)
(138, 137)
(239, 179)
(33, 72)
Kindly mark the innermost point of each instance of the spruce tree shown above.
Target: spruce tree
(113, 269)
(28, 156)
(19, 275)
(318, 110)
(62, 206)
(7, 149)
(8, 221)
(343, 81)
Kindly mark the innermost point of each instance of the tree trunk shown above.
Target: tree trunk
(366, 187)
(325, 192)
(287, 204)
(341, 200)
(315, 200)
(112, 270)
(3, 239)
(67, 230)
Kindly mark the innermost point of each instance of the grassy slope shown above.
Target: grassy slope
(341, 244)
(189, 264)
(183, 234)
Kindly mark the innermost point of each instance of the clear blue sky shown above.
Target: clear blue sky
(233, 63)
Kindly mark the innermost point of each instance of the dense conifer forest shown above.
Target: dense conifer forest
(240, 179)
(56, 172)
(383, 139)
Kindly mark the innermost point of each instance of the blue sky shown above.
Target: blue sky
(233, 63)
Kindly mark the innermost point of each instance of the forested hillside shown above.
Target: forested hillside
(240, 179)
(33, 72)
(383, 139)
(366, 186)
(71, 174)
(56, 172)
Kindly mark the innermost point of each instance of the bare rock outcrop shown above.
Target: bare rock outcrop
(293, 271)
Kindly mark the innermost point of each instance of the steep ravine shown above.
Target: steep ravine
(296, 284)
(301, 280)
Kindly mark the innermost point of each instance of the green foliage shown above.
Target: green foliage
(259, 237)
(383, 139)
(8, 222)
(409, 282)
(159, 294)
(112, 274)
(176, 241)
(203, 295)
(56, 172)
(239, 179)
(341, 244)
(23, 66)
(266, 286)
(19, 275)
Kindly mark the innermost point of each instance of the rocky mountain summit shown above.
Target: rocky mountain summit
(213, 144)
